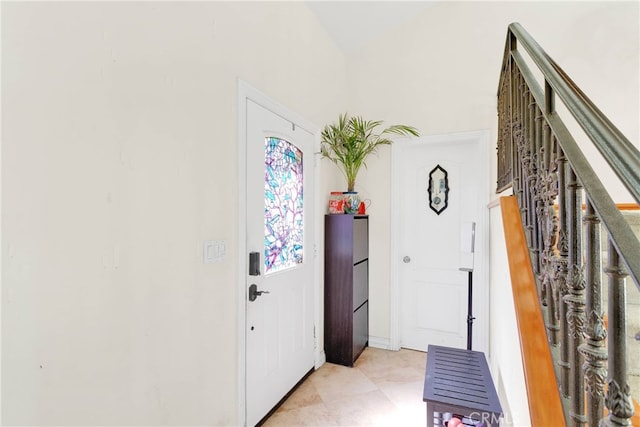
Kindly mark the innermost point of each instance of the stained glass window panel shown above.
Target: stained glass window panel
(283, 205)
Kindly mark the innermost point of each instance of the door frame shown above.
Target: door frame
(481, 261)
(248, 92)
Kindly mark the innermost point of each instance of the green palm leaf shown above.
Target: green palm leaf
(349, 142)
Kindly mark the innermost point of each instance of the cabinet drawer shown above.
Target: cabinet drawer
(360, 239)
(360, 329)
(360, 283)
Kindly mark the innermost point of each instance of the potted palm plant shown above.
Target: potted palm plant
(349, 142)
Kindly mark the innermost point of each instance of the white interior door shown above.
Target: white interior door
(432, 289)
(279, 324)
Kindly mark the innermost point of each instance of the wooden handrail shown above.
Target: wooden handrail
(545, 405)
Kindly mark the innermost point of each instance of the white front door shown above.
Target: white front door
(279, 321)
(432, 291)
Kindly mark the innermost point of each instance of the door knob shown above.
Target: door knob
(406, 259)
(254, 293)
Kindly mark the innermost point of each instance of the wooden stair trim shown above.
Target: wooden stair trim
(545, 405)
(620, 206)
(628, 206)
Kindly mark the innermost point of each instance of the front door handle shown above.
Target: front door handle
(406, 259)
(254, 293)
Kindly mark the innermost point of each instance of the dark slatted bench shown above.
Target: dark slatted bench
(459, 382)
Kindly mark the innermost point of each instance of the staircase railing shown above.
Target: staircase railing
(563, 203)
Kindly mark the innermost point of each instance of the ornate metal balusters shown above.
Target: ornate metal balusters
(517, 136)
(510, 95)
(531, 177)
(562, 271)
(575, 299)
(519, 146)
(593, 349)
(505, 115)
(537, 184)
(500, 151)
(549, 229)
(618, 399)
(530, 156)
(525, 157)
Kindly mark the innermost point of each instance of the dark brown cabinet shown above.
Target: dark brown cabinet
(346, 287)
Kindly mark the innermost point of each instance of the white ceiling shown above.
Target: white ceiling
(353, 23)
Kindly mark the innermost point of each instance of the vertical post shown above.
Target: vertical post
(551, 147)
(563, 267)
(575, 299)
(537, 183)
(467, 247)
(549, 98)
(531, 204)
(510, 121)
(550, 235)
(618, 399)
(519, 146)
(503, 125)
(593, 348)
(470, 311)
(524, 156)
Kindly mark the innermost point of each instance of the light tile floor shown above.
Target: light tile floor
(384, 388)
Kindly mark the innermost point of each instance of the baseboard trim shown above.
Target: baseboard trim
(321, 359)
(378, 342)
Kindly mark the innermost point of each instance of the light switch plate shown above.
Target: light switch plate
(213, 251)
(208, 256)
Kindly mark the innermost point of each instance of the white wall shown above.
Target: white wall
(119, 154)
